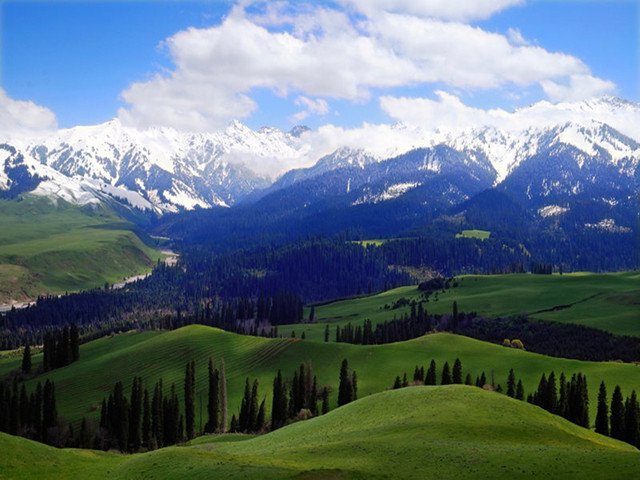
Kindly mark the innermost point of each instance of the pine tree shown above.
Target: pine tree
(135, 413)
(398, 383)
(26, 359)
(49, 412)
(457, 371)
(617, 415)
(511, 384)
(189, 399)
(631, 420)
(345, 390)
(223, 398)
(260, 421)
(446, 374)
(157, 414)
(520, 391)
(454, 321)
(243, 417)
(325, 400)
(252, 423)
(213, 406)
(326, 333)
(430, 377)
(279, 403)
(563, 397)
(74, 343)
(602, 415)
(146, 420)
(468, 380)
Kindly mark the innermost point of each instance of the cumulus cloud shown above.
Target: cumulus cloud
(306, 51)
(461, 10)
(311, 107)
(18, 115)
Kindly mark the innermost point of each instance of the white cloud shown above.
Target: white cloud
(309, 51)
(578, 87)
(460, 10)
(311, 107)
(18, 115)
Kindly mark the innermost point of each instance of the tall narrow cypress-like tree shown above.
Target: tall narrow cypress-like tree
(631, 420)
(213, 406)
(279, 403)
(446, 374)
(243, 417)
(252, 423)
(146, 420)
(430, 377)
(135, 414)
(157, 414)
(345, 390)
(74, 343)
(26, 359)
(457, 371)
(617, 414)
(189, 399)
(602, 415)
(563, 397)
(519, 390)
(511, 384)
(223, 397)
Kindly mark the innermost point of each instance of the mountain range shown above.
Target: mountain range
(548, 158)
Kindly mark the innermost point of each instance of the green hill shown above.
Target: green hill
(54, 248)
(81, 386)
(452, 432)
(609, 302)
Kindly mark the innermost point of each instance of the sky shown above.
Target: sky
(196, 65)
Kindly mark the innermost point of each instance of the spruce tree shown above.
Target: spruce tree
(74, 343)
(631, 420)
(157, 415)
(325, 400)
(26, 359)
(252, 422)
(213, 405)
(511, 384)
(602, 415)
(468, 380)
(617, 429)
(279, 403)
(354, 386)
(446, 374)
(430, 377)
(345, 390)
(146, 420)
(223, 397)
(260, 421)
(563, 397)
(189, 399)
(520, 391)
(135, 414)
(326, 333)
(398, 383)
(457, 371)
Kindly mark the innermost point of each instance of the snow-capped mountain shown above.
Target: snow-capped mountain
(542, 154)
(167, 169)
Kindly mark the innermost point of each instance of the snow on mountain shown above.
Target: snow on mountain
(168, 170)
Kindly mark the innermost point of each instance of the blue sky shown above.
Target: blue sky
(88, 62)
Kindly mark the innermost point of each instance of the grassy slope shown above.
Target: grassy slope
(53, 249)
(479, 234)
(420, 432)
(81, 386)
(615, 305)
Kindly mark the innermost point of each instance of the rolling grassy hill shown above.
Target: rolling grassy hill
(419, 432)
(81, 386)
(609, 302)
(54, 248)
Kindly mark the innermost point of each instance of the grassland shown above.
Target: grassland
(81, 386)
(479, 234)
(609, 302)
(452, 432)
(54, 248)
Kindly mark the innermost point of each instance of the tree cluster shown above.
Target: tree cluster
(61, 348)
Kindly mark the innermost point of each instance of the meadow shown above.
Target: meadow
(81, 386)
(451, 432)
(608, 302)
(55, 248)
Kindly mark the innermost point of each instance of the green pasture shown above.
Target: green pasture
(81, 386)
(609, 301)
(479, 234)
(452, 432)
(46, 248)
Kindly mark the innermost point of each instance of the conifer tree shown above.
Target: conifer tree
(189, 399)
(260, 421)
(26, 359)
(511, 384)
(563, 397)
(617, 415)
(446, 374)
(520, 391)
(326, 333)
(430, 377)
(279, 403)
(135, 413)
(213, 406)
(345, 390)
(325, 400)
(252, 421)
(74, 343)
(146, 420)
(468, 380)
(631, 420)
(457, 371)
(223, 397)
(157, 414)
(398, 383)
(602, 415)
